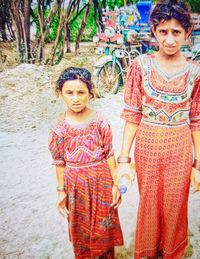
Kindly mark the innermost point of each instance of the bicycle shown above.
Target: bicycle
(110, 70)
(123, 39)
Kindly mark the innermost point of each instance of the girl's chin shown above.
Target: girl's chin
(78, 110)
(170, 52)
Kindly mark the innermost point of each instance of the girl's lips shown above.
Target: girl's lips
(76, 105)
(169, 47)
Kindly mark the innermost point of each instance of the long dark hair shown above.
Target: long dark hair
(74, 73)
(171, 9)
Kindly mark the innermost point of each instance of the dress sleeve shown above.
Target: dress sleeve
(56, 145)
(195, 107)
(132, 111)
(106, 136)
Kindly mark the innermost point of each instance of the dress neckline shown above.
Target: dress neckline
(82, 124)
(160, 94)
(167, 75)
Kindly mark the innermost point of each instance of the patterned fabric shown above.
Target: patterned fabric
(163, 159)
(133, 95)
(110, 254)
(166, 109)
(83, 148)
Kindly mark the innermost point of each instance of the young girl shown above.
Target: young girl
(81, 145)
(162, 110)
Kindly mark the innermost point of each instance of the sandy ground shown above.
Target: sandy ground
(30, 226)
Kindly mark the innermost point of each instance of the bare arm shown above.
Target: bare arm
(62, 197)
(195, 175)
(116, 196)
(196, 142)
(60, 175)
(128, 137)
(112, 165)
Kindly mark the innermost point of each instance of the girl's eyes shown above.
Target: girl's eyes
(176, 32)
(71, 93)
(162, 32)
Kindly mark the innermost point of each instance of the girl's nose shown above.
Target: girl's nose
(75, 97)
(170, 39)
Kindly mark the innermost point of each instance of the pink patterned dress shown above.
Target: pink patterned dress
(166, 108)
(94, 226)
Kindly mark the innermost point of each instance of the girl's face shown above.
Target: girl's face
(170, 36)
(76, 95)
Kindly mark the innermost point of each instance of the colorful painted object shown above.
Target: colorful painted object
(144, 8)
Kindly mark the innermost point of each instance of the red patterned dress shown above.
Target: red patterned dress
(94, 227)
(166, 108)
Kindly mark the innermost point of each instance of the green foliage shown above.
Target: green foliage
(195, 5)
(53, 28)
(111, 4)
(36, 21)
(89, 31)
(54, 25)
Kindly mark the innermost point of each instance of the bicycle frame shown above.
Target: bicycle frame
(110, 56)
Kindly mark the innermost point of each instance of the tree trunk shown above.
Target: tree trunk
(78, 12)
(11, 32)
(98, 19)
(20, 15)
(64, 19)
(26, 20)
(103, 4)
(68, 46)
(3, 28)
(15, 16)
(39, 47)
(41, 42)
(55, 45)
(5, 20)
(83, 24)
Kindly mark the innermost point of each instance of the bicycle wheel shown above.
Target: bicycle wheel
(109, 78)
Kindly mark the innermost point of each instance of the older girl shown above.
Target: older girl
(162, 110)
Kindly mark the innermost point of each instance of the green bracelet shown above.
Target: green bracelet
(60, 188)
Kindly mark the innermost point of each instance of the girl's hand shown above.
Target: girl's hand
(195, 179)
(124, 168)
(116, 197)
(61, 204)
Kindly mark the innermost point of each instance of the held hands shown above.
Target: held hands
(61, 204)
(195, 179)
(124, 168)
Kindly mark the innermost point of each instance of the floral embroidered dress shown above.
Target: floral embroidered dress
(166, 108)
(83, 148)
